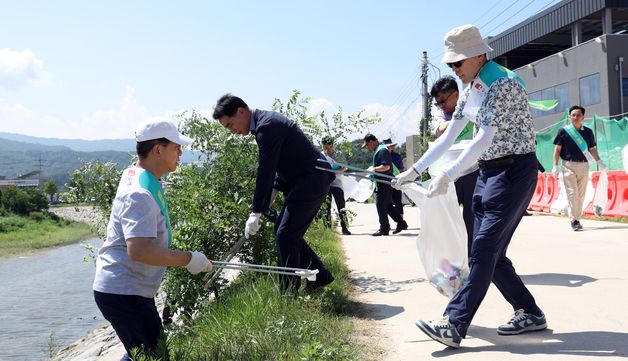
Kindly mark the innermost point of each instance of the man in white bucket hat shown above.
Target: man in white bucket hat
(495, 100)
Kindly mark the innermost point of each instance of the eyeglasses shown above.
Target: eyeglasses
(457, 64)
(440, 103)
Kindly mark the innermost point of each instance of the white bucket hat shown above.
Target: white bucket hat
(150, 130)
(464, 42)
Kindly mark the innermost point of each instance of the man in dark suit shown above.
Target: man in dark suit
(287, 157)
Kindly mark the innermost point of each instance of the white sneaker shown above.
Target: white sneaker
(522, 322)
(441, 331)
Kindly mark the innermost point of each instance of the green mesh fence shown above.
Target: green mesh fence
(611, 136)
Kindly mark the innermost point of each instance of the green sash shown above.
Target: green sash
(579, 140)
(148, 181)
(379, 147)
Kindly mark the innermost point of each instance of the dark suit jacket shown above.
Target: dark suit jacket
(284, 151)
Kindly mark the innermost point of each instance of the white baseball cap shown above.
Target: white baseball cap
(155, 129)
(464, 42)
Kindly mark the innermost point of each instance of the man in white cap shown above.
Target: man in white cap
(133, 259)
(496, 102)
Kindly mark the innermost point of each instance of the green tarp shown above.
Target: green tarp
(611, 136)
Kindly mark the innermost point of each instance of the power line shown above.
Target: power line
(513, 15)
(500, 14)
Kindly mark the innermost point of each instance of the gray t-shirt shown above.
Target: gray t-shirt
(134, 213)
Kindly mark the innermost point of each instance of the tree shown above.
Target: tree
(95, 182)
(50, 188)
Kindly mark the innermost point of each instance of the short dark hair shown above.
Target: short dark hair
(227, 105)
(576, 107)
(370, 137)
(143, 148)
(446, 84)
(327, 140)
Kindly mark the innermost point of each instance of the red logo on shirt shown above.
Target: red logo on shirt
(131, 172)
(478, 86)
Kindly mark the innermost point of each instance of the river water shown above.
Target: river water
(46, 296)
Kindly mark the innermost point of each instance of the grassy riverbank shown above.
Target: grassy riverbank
(253, 321)
(23, 234)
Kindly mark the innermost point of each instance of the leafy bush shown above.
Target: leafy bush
(23, 201)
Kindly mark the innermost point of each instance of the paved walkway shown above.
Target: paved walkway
(579, 279)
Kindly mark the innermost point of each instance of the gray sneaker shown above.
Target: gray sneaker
(522, 322)
(441, 331)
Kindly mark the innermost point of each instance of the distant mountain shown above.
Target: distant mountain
(55, 162)
(57, 158)
(81, 145)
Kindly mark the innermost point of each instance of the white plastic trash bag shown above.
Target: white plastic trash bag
(601, 194)
(442, 241)
(360, 190)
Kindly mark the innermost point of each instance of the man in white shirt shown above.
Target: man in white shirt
(133, 259)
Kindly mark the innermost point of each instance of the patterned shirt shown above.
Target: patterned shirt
(506, 108)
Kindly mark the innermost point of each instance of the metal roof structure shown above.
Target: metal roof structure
(555, 28)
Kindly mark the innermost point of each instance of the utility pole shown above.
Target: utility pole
(425, 95)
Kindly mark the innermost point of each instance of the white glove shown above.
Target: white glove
(438, 186)
(404, 177)
(252, 224)
(601, 164)
(555, 171)
(198, 263)
(370, 169)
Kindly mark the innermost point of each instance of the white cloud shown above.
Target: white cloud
(321, 105)
(101, 124)
(21, 68)
(397, 121)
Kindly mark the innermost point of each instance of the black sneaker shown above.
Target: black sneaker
(441, 331)
(401, 226)
(322, 280)
(523, 322)
(346, 232)
(380, 233)
(576, 226)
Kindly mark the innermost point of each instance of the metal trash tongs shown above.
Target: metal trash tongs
(309, 274)
(360, 170)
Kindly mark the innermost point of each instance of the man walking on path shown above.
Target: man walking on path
(382, 163)
(335, 188)
(496, 101)
(575, 145)
(288, 157)
(398, 167)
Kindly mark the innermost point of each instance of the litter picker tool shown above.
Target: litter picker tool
(357, 175)
(356, 170)
(309, 274)
(210, 277)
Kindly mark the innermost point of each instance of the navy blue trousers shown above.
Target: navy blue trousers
(134, 318)
(465, 186)
(500, 198)
(385, 207)
(301, 205)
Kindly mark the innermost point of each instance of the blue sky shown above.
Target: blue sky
(96, 69)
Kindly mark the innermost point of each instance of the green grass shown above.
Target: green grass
(252, 320)
(23, 234)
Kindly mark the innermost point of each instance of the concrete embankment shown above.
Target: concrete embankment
(85, 214)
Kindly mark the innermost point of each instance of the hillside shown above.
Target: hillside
(21, 154)
(57, 162)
